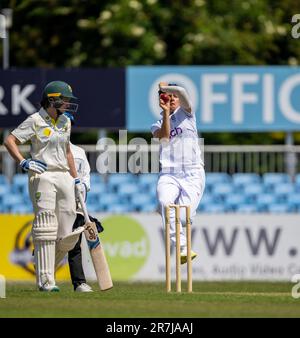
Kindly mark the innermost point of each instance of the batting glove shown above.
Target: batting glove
(36, 166)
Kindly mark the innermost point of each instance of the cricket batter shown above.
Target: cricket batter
(182, 176)
(52, 179)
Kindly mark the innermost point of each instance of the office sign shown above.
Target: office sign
(223, 98)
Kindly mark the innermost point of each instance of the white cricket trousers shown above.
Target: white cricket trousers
(184, 188)
(54, 191)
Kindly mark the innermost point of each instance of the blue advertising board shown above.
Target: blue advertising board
(231, 98)
(101, 94)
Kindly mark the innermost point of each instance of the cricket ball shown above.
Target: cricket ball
(165, 97)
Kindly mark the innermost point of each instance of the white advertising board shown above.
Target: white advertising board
(229, 247)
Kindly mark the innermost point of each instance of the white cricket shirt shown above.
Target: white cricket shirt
(49, 139)
(82, 165)
(182, 152)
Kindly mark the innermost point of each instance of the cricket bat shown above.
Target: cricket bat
(96, 250)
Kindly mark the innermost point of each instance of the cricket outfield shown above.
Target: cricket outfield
(149, 300)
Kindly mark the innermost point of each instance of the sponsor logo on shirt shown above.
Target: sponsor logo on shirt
(175, 132)
(38, 196)
(47, 132)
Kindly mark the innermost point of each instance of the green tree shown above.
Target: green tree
(118, 33)
(105, 33)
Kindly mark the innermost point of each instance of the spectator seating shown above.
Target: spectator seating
(120, 193)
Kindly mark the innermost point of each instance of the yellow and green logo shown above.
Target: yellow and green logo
(38, 196)
(47, 132)
(126, 246)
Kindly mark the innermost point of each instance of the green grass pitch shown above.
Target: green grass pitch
(149, 300)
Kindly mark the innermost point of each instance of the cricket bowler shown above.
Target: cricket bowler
(182, 177)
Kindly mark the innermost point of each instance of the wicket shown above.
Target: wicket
(168, 247)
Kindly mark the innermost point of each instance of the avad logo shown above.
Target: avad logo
(126, 246)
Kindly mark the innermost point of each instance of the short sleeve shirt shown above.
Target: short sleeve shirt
(49, 139)
(82, 165)
(183, 151)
